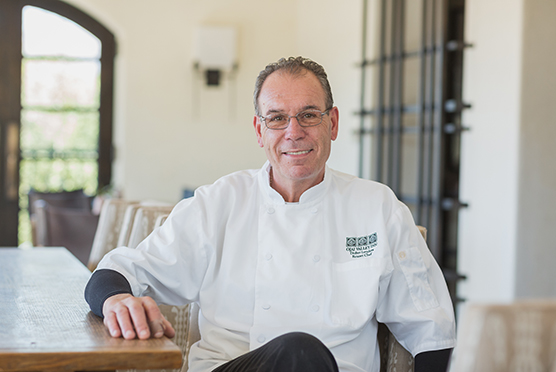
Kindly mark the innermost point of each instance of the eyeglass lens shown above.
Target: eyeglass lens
(306, 118)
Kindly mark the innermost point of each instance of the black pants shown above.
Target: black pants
(292, 352)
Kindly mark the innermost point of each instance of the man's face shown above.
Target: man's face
(295, 153)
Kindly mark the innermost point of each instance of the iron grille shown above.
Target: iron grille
(410, 113)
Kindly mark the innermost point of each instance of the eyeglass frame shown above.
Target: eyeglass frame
(322, 113)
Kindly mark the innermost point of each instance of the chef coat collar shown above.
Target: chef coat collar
(313, 194)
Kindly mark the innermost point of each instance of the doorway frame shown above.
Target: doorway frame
(10, 109)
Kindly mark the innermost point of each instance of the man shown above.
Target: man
(293, 264)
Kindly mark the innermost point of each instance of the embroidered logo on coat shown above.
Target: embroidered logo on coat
(361, 246)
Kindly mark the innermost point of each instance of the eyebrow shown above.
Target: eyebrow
(308, 107)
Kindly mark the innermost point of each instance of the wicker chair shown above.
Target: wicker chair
(393, 356)
(144, 222)
(520, 336)
(139, 222)
(185, 319)
(108, 231)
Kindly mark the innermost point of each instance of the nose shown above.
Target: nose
(294, 131)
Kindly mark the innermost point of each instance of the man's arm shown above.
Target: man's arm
(433, 361)
(103, 284)
(108, 293)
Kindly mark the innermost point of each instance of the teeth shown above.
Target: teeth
(297, 152)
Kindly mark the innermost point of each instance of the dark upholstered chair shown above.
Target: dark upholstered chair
(71, 228)
(75, 199)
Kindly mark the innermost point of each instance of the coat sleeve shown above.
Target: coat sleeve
(169, 265)
(414, 301)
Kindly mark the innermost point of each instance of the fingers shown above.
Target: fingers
(130, 317)
(168, 329)
(158, 324)
(139, 320)
(162, 328)
(111, 322)
(117, 317)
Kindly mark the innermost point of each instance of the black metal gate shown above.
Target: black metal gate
(411, 104)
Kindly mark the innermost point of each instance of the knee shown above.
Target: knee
(299, 341)
(298, 351)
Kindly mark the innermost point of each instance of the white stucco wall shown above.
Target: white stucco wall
(172, 132)
(536, 246)
(508, 173)
(490, 151)
(334, 40)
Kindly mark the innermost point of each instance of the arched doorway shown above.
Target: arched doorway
(56, 89)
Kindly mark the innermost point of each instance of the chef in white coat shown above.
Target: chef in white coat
(292, 264)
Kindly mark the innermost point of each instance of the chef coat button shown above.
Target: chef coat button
(316, 258)
(314, 210)
(261, 339)
(266, 306)
(270, 210)
(268, 256)
(315, 308)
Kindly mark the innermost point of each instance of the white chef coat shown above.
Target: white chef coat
(344, 257)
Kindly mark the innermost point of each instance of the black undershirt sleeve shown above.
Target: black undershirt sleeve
(104, 283)
(433, 361)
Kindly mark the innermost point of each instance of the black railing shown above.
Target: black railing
(430, 126)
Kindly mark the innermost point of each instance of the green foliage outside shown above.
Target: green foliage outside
(59, 152)
(60, 96)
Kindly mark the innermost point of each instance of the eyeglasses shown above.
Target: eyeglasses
(307, 118)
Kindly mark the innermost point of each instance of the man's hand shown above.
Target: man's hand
(128, 316)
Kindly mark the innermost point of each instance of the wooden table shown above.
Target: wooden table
(46, 325)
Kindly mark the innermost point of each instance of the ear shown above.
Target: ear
(335, 121)
(258, 130)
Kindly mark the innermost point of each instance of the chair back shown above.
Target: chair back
(127, 224)
(160, 220)
(140, 221)
(129, 220)
(71, 228)
(108, 231)
(185, 320)
(144, 222)
(76, 199)
(514, 337)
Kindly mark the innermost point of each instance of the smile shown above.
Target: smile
(297, 152)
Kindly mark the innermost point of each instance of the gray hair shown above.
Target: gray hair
(294, 66)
